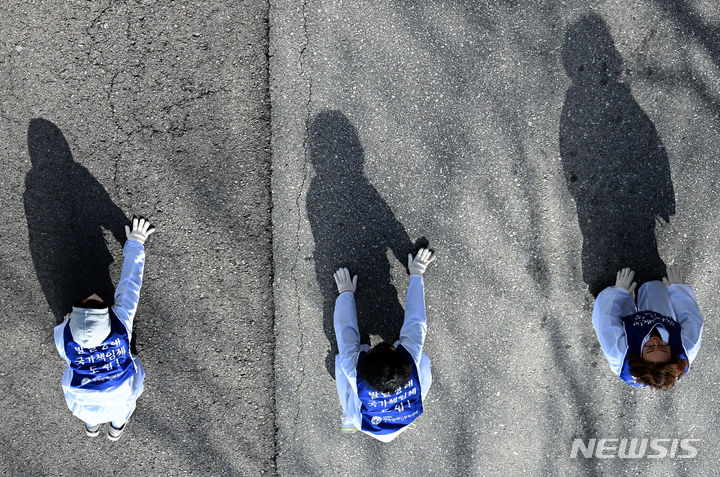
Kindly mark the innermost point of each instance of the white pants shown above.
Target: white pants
(115, 424)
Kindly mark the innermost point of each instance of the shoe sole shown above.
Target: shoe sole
(115, 436)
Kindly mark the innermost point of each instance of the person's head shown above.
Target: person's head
(589, 53)
(384, 368)
(657, 366)
(89, 321)
(656, 351)
(334, 144)
(46, 144)
(93, 302)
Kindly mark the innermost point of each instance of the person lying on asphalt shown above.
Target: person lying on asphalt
(381, 389)
(103, 379)
(653, 343)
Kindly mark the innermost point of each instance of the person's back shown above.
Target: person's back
(103, 379)
(381, 389)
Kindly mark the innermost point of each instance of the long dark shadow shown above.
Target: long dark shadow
(615, 165)
(353, 227)
(66, 210)
(692, 21)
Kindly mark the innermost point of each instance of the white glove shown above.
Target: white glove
(343, 282)
(421, 261)
(673, 276)
(141, 230)
(625, 281)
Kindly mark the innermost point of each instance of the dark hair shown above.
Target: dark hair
(385, 369)
(660, 376)
(92, 304)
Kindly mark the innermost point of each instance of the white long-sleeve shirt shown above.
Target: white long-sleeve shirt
(118, 403)
(412, 338)
(614, 303)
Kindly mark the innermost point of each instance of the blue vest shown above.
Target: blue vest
(104, 366)
(637, 326)
(384, 413)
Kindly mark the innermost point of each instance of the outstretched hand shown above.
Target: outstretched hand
(418, 265)
(343, 281)
(141, 229)
(673, 276)
(625, 281)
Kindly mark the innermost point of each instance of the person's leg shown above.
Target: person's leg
(654, 296)
(92, 430)
(115, 429)
(118, 424)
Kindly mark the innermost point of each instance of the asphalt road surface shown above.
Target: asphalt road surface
(536, 146)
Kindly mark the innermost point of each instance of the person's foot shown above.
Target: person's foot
(92, 431)
(114, 433)
(346, 426)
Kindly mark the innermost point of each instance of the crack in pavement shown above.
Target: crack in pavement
(94, 21)
(305, 74)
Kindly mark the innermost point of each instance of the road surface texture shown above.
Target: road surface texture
(162, 109)
(538, 147)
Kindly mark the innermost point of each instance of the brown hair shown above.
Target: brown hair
(657, 375)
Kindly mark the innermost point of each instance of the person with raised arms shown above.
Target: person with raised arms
(651, 344)
(103, 379)
(381, 389)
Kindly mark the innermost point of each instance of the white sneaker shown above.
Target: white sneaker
(115, 433)
(92, 431)
(346, 426)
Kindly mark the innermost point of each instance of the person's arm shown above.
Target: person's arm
(127, 293)
(347, 332)
(347, 335)
(610, 306)
(58, 334)
(347, 393)
(348, 341)
(414, 328)
(688, 316)
(686, 310)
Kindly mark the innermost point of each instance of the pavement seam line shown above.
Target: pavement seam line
(298, 209)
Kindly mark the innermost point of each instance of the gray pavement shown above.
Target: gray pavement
(532, 144)
(158, 108)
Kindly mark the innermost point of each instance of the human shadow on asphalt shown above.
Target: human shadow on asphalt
(615, 166)
(66, 210)
(352, 227)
